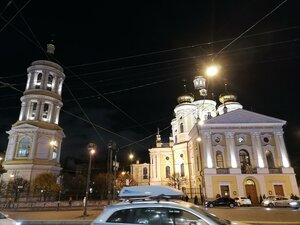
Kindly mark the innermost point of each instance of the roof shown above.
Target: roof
(242, 116)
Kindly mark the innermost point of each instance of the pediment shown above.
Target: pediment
(25, 126)
(242, 116)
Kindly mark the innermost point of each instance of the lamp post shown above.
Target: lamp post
(131, 156)
(91, 148)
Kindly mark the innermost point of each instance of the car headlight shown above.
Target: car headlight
(293, 203)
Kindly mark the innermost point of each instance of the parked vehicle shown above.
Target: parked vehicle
(243, 201)
(279, 201)
(156, 205)
(223, 201)
(295, 204)
(5, 220)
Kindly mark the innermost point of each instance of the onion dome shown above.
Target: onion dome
(186, 98)
(227, 96)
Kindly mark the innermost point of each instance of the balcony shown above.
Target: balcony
(248, 170)
(275, 170)
(222, 170)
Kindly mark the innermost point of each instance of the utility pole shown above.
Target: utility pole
(110, 147)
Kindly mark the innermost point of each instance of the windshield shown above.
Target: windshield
(211, 216)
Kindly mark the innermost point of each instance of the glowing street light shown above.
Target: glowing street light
(212, 70)
(91, 148)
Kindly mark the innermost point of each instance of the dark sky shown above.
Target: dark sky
(125, 63)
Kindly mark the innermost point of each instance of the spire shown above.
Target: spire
(158, 139)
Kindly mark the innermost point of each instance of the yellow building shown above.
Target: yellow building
(223, 150)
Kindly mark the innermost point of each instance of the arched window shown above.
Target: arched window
(245, 161)
(38, 80)
(182, 170)
(33, 108)
(49, 82)
(270, 159)
(219, 159)
(145, 173)
(181, 127)
(168, 172)
(46, 111)
(24, 147)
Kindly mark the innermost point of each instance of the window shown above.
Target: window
(45, 111)
(219, 159)
(168, 172)
(38, 81)
(49, 82)
(181, 128)
(245, 162)
(153, 216)
(33, 107)
(270, 159)
(145, 173)
(182, 170)
(24, 147)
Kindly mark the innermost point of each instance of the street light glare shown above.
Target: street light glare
(92, 151)
(131, 156)
(212, 70)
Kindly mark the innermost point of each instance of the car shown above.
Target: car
(278, 201)
(5, 220)
(155, 205)
(243, 201)
(222, 201)
(295, 204)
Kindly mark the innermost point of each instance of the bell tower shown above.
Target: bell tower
(34, 144)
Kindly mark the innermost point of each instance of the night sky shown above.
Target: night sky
(126, 63)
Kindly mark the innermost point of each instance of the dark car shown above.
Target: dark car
(221, 202)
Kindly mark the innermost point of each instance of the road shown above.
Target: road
(252, 215)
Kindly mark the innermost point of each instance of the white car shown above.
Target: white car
(155, 207)
(4, 220)
(279, 201)
(243, 201)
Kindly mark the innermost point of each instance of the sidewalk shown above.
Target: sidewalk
(64, 216)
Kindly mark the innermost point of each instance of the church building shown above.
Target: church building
(224, 150)
(34, 144)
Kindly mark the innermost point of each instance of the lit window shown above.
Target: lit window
(24, 147)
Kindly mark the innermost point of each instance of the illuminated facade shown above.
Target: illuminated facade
(35, 139)
(222, 150)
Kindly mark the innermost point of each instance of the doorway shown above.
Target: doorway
(251, 192)
(278, 188)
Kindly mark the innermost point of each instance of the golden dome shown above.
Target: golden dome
(227, 97)
(186, 98)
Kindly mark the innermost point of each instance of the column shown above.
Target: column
(281, 149)
(207, 147)
(255, 137)
(22, 112)
(231, 148)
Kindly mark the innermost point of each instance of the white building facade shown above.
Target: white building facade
(223, 150)
(34, 144)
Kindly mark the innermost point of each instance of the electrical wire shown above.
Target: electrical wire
(238, 37)
(15, 15)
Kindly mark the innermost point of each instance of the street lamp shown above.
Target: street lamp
(212, 70)
(91, 148)
(131, 156)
